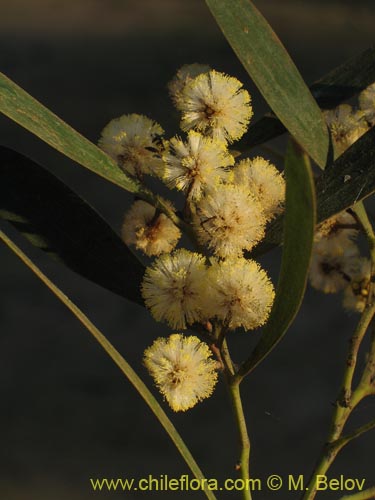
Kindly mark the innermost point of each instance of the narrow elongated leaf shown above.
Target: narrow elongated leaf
(32, 115)
(273, 71)
(345, 81)
(53, 218)
(298, 238)
(340, 84)
(349, 179)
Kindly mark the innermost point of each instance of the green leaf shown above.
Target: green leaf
(349, 179)
(340, 84)
(298, 239)
(53, 218)
(273, 71)
(32, 115)
(346, 80)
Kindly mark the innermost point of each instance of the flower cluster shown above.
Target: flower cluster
(227, 204)
(337, 264)
(336, 261)
(347, 124)
(183, 370)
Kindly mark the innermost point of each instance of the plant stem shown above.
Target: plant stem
(345, 404)
(234, 391)
(362, 495)
(349, 399)
(116, 357)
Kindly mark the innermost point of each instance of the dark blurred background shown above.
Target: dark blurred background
(67, 414)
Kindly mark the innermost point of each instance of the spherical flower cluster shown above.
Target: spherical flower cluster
(264, 181)
(346, 126)
(336, 234)
(196, 164)
(229, 220)
(216, 105)
(183, 370)
(184, 76)
(327, 270)
(240, 293)
(173, 286)
(148, 230)
(367, 103)
(336, 262)
(134, 142)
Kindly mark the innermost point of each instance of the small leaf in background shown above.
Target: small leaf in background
(273, 71)
(299, 225)
(56, 220)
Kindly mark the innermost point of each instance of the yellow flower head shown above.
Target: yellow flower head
(173, 286)
(149, 232)
(264, 181)
(193, 165)
(240, 293)
(229, 219)
(183, 370)
(134, 142)
(216, 105)
(367, 103)
(183, 76)
(346, 126)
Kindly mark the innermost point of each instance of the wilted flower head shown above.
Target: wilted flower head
(173, 286)
(229, 220)
(331, 272)
(240, 293)
(346, 126)
(367, 103)
(183, 76)
(193, 165)
(264, 181)
(134, 142)
(149, 231)
(216, 105)
(183, 370)
(357, 291)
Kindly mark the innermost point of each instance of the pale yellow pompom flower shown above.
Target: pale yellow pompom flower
(183, 76)
(264, 181)
(216, 105)
(193, 165)
(367, 103)
(173, 286)
(346, 126)
(151, 232)
(134, 142)
(229, 220)
(183, 370)
(335, 234)
(240, 293)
